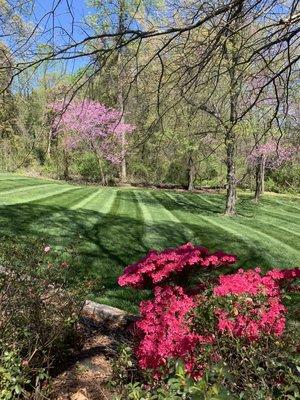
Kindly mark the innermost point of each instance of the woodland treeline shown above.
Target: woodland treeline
(211, 89)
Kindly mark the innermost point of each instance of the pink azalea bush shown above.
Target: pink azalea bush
(256, 307)
(204, 327)
(158, 267)
(167, 331)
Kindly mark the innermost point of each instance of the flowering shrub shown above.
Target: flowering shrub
(166, 329)
(255, 304)
(216, 327)
(38, 316)
(159, 267)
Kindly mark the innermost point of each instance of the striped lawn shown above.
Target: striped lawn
(112, 227)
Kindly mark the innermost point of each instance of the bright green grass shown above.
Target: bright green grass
(113, 227)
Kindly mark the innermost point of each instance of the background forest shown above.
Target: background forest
(179, 115)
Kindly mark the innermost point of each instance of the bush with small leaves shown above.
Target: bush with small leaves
(38, 315)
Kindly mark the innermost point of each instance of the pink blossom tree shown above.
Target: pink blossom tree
(270, 155)
(94, 126)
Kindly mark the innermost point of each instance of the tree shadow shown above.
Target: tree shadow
(106, 243)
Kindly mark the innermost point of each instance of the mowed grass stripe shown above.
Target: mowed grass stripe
(258, 233)
(34, 194)
(258, 214)
(283, 215)
(65, 199)
(150, 237)
(86, 200)
(157, 210)
(160, 218)
(248, 233)
(287, 206)
(10, 177)
(274, 237)
(263, 229)
(205, 230)
(102, 202)
(285, 228)
(11, 185)
(129, 206)
(25, 188)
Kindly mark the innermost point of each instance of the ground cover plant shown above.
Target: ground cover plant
(38, 316)
(203, 336)
(111, 227)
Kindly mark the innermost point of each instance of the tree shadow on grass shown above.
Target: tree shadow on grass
(194, 203)
(106, 243)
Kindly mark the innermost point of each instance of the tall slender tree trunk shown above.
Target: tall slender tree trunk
(232, 54)
(102, 175)
(260, 178)
(191, 173)
(231, 179)
(230, 143)
(123, 171)
(66, 165)
(48, 150)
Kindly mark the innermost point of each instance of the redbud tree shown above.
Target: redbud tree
(270, 155)
(91, 125)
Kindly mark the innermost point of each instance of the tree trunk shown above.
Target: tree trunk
(66, 165)
(231, 180)
(48, 150)
(230, 143)
(232, 54)
(123, 171)
(191, 173)
(123, 176)
(260, 178)
(103, 179)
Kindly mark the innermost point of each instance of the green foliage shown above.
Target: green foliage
(271, 186)
(12, 378)
(176, 387)
(243, 375)
(176, 173)
(87, 166)
(38, 315)
(286, 178)
(124, 368)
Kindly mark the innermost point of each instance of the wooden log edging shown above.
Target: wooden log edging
(99, 314)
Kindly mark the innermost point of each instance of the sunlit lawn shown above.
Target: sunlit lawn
(112, 227)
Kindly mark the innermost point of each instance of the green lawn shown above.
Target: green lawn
(113, 227)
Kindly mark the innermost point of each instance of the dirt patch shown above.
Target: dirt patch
(87, 374)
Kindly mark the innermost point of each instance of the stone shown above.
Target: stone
(80, 395)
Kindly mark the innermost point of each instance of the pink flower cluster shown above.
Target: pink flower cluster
(177, 324)
(274, 153)
(247, 282)
(158, 267)
(256, 307)
(284, 274)
(92, 124)
(166, 330)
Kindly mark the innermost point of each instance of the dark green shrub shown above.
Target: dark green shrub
(87, 166)
(37, 316)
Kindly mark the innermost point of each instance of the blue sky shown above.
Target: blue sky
(67, 21)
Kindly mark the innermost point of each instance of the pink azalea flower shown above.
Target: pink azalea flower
(47, 248)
